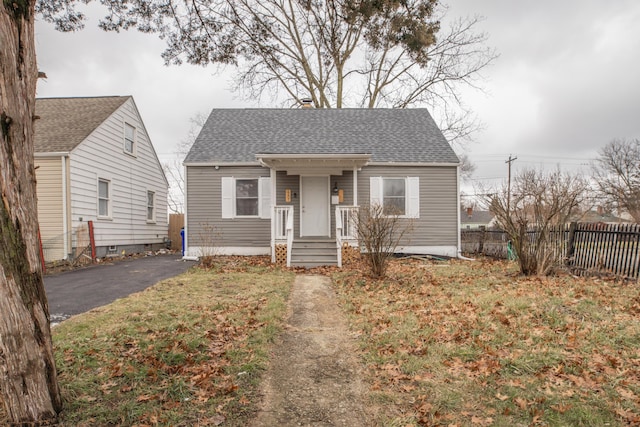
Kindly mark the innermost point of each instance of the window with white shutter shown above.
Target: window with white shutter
(397, 195)
(246, 197)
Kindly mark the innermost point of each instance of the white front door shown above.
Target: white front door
(314, 206)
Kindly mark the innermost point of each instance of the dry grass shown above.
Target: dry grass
(451, 343)
(189, 351)
(460, 343)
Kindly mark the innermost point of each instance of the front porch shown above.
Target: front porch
(314, 200)
(312, 251)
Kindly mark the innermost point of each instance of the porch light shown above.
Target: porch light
(335, 188)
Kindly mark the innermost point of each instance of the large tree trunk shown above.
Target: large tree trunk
(28, 382)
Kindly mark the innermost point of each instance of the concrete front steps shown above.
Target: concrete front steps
(313, 252)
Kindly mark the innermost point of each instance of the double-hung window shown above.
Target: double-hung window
(151, 206)
(129, 138)
(394, 196)
(397, 195)
(246, 197)
(104, 198)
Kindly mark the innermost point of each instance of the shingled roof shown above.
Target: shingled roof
(389, 135)
(66, 122)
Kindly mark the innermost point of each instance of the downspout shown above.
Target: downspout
(460, 256)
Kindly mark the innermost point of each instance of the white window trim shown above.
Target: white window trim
(228, 187)
(109, 199)
(134, 145)
(153, 219)
(412, 194)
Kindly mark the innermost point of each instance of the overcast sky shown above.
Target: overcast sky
(566, 82)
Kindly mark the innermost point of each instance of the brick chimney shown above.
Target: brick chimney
(307, 102)
(469, 212)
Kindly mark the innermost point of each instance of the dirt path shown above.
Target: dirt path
(314, 378)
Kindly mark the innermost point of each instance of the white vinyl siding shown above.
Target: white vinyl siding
(101, 155)
(401, 195)
(246, 197)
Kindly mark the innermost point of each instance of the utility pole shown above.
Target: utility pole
(511, 159)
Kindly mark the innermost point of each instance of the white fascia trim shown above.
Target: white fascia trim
(196, 251)
(448, 251)
(52, 154)
(221, 164)
(412, 164)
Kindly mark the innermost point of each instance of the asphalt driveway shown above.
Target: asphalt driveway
(77, 291)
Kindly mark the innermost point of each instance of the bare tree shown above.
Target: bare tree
(616, 174)
(338, 53)
(380, 231)
(467, 167)
(28, 383)
(537, 203)
(173, 168)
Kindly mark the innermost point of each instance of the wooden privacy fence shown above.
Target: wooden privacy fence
(176, 222)
(583, 248)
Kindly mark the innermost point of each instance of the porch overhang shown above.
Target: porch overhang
(312, 164)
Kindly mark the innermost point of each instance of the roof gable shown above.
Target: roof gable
(65, 122)
(388, 135)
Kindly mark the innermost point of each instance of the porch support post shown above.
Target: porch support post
(272, 174)
(355, 186)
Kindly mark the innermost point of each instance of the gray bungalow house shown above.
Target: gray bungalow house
(284, 182)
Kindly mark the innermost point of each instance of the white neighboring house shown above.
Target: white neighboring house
(95, 162)
(471, 219)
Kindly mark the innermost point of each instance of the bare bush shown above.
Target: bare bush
(380, 230)
(538, 202)
(208, 236)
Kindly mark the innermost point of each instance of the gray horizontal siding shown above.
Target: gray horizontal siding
(438, 222)
(204, 210)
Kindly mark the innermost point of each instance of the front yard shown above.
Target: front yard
(462, 343)
(444, 343)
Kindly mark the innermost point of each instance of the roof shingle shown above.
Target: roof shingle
(66, 122)
(389, 135)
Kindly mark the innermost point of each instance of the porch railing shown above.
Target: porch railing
(282, 232)
(345, 228)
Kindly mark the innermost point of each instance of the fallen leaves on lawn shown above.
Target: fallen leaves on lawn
(519, 347)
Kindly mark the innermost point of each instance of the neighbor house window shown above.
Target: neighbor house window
(104, 198)
(247, 200)
(151, 206)
(129, 138)
(394, 195)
